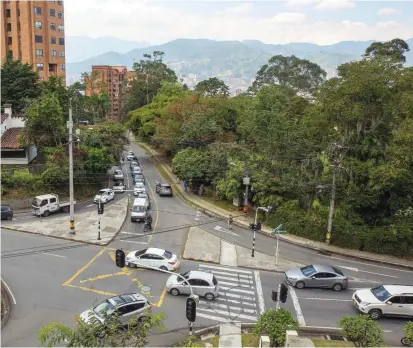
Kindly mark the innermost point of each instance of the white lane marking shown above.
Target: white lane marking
(323, 299)
(237, 284)
(90, 205)
(237, 290)
(387, 331)
(241, 316)
(212, 317)
(237, 280)
(225, 269)
(361, 280)
(235, 301)
(132, 233)
(242, 297)
(355, 288)
(260, 294)
(298, 311)
(196, 219)
(131, 241)
(222, 229)
(8, 289)
(54, 255)
(369, 264)
(214, 304)
(231, 274)
(360, 270)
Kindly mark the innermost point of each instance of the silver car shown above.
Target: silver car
(317, 276)
(118, 175)
(127, 306)
(202, 283)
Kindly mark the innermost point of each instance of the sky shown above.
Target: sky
(276, 22)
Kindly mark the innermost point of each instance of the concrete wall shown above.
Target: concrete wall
(19, 203)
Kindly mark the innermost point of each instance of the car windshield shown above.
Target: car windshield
(185, 274)
(36, 202)
(167, 255)
(101, 192)
(166, 186)
(308, 271)
(380, 293)
(138, 208)
(139, 184)
(104, 309)
(143, 195)
(118, 172)
(214, 280)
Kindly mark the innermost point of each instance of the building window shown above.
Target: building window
(61, 41)
(8, 13)
(39, 66)
(52, 26)
(39, 53)
(52, 1)
(38, 38)
(62, 67)
(38, 25)
(9, 54)
(60, 2)
(61, 28)
(37, 10)
(62, 53)
(53, 53)
(18, 12)
(9, 41)
(53, 40)
(52, 12)
(60, 14)
(8, 26)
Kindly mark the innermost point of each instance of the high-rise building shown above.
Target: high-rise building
(110, 80)
(34, 33)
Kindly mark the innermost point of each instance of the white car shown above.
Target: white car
(395, 300)
(138, 188)
(105, 196)
(119, 186)
(145, 196)
(130, 156)
(153, 257)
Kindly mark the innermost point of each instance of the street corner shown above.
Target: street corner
(202, 246)
(101, 275)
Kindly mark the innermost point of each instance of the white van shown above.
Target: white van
(139, 210)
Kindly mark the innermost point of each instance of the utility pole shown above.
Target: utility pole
(72, 205)
(254, 231)
(338, 152)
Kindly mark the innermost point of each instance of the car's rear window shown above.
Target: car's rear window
(166, 186)
(338, 271)
(214, 280)
(308, 271)
(167, 254)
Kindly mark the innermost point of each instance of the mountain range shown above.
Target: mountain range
(235, 62)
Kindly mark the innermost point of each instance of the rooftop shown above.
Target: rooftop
(4, 117)
(10, 138)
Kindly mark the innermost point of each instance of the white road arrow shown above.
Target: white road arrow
(222, 229)
(361, 271)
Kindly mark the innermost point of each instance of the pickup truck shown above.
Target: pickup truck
(50, 203)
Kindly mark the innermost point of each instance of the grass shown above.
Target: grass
(249, 340)
(326, 343)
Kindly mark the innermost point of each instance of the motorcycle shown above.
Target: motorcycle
(406, 342)
(147, 226)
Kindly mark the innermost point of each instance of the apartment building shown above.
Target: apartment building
(34, 33)
(111, 81)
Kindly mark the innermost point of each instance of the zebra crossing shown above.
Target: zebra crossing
(237, 301)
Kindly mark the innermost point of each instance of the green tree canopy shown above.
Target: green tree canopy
(362, 331)
(393, 51)
(212, 87)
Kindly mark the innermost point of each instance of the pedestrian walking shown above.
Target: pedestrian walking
(185, 185)
(230, 220)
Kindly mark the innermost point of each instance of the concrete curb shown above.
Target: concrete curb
(201, 260)
(213, 214)
(7, 302)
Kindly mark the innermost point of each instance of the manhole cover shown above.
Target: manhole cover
(146, 288)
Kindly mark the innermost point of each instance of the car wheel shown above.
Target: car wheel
(300, 285)
(9, 217)
(337, 287)
(209, 296)
(66, 209)
(174, 292)
(132, 265)
(46, 213)
(163, 268)
(375, 314)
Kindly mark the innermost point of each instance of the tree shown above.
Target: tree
(212, 87)
(97, 101)
(301, 75)
(190, 164)
(362, 331)
(45, 123)
(101, 334)
(18, 83)
(275, 323)
(392, 51)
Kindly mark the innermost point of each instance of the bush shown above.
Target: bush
(362, 331)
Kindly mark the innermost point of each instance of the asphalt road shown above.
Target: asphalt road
(57, 285)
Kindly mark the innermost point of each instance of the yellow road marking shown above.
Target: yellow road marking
(157, 214)
(161, 298)
(84, 267)
(104, 276)
(97, 291)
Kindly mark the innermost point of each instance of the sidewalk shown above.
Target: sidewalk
(213, 210)
(86, 225)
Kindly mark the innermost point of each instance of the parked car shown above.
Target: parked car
(153, 257)
(138, 188)
(317, 276)
(139, 176)
(105, 196)
(127, 306)
(134, 163)
(144, 195)
(43, 205)
(119, 186)
(136, 180)
(130, 156)
(136, 170)
(139, 210)
(6, 212)
(164, 189)
(203, 284)
(382, 300)
(118, 175)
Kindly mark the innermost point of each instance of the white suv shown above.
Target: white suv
(385, 300)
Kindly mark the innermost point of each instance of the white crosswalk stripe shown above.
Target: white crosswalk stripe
(237, 299)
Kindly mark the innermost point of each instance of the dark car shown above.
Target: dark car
(6, 212)
(163, 189)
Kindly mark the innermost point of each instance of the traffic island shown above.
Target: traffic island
(202, 246)
(87, 225)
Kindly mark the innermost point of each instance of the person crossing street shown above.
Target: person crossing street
(230, 220)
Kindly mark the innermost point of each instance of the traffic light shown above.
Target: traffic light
(191, 309)
(120, 258)
(283, 293)
(101, 208)
(274, 295)
(252, 226)
(258, 227)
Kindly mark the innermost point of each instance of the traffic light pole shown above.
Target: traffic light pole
(71, 189)
(191, 324)
(277, 305)
(254, 229)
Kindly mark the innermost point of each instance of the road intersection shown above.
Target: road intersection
(58, 285)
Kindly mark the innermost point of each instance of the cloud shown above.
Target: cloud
(299, 3)
(385, 11)
(240, 9)
(159, 22)
(333, 5)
